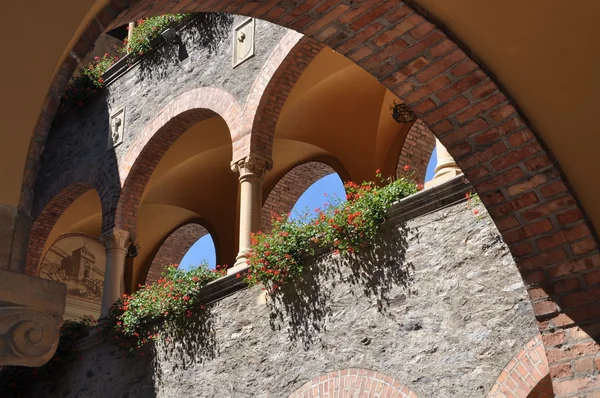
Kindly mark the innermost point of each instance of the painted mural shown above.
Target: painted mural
(78, 261)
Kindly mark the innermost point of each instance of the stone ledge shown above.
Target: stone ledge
(414, 206)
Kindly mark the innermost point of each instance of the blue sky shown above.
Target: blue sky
(314, 197)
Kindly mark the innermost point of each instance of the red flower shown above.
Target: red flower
(186, 298)
(238, 275)
(377, 171)
(406, 167)
(475, 211)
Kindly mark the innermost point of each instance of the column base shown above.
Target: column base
(240, 264)
(447, 175)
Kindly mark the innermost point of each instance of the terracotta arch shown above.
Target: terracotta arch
(286, 191)
(153, 142)
(353, 382)
(58, 197)
(526, 375)
(416, 151)
(272, 87)
(518, 180)
(173, 248)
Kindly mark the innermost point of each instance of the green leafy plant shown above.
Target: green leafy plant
(138, 318)
(15, 379)
(277, 258)
(148, 29)
(85, 85)
(473, 201)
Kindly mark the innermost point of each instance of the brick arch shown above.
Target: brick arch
(58, 197)
(282, 197)
(518, 180)
(353, 382)
(157, 137)
(416, 151)
(272, 87)
(173, 248)
(526, 375)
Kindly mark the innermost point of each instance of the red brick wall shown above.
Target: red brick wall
(353, 383)
(416, 151)
(517, 178)
(290, 187)
(174, 248)
(526, 375)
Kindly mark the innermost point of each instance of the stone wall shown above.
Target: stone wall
(80, 140)
(439, 307)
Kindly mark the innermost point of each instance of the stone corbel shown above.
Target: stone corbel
(31, 314)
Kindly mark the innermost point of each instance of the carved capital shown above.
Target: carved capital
(252, 165)
(116, 239)
(28, 337)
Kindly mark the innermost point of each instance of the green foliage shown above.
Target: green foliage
(90, 79)
(277, 258)
(15, 379)
(86, 84)
(137, 318)
(148, 29)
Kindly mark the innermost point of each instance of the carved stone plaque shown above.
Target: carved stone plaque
(116, 128)
(243, 41)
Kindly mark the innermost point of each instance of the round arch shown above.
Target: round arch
(526, 375)
(416, 151)
(57, 198)
(519, 182)
(174, 247)
(153, 142)
(287, 188)
(354, 382)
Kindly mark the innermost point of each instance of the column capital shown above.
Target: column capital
(252, 165)
(116, 239)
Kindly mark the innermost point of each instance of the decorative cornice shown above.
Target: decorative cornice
(252, 165)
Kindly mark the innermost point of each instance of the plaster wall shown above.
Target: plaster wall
(439, 307)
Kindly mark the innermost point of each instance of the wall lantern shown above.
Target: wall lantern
(402, 113)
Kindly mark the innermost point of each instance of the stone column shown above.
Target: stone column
(117, 244)
(130, 28)
(252, 170)
(445, 168)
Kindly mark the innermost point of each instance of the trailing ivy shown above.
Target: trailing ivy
(137, 319)
(277, 258)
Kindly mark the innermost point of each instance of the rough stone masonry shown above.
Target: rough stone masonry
(439, 306)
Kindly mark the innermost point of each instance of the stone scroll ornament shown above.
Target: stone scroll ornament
(27, 337)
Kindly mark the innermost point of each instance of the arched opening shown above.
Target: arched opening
(167, 191)
(191, 241)
(310, 181)
(526, 375)
(354, 382)
(418, 152)
(65, 247)
(517, 179)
